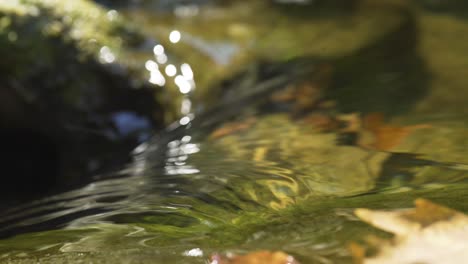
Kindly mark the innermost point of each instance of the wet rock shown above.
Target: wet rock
(66, 77)
(343, 31)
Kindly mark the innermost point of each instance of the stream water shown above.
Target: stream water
(244, 167)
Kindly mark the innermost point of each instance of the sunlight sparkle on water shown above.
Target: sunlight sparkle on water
(186, 106)
(174, 36)
(184, 120)
(189, 148)
(141, 148)
(112, 15)
(161, 58)
(186, 71)
(184, 85)
(186, 139)
(173, 144)
(157, 78)
(171, 70)
(181, 170)
(151, 65)
(106, 55)
(194, 252)
(158, 50)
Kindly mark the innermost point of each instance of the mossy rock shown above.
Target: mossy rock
(66, 69)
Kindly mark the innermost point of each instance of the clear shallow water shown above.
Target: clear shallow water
(269, 187)
(273, 181)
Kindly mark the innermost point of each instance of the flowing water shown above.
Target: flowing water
(245, 167)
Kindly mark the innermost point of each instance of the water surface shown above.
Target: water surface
(241, 170)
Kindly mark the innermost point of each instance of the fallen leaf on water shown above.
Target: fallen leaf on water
(258, 257)
(428, 234)
(307, 95)
(384, 136)
(342, 123)
(321, 122)
(233, 127)
(287, 94)
(301, 98)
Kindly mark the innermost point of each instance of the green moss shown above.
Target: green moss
(79, 24)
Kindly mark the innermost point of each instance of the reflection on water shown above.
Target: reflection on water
(222, 53)
(185, 81)
(106, 55)
(279, 163)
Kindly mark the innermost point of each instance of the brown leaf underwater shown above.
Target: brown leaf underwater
(257, 257)
(232, 127)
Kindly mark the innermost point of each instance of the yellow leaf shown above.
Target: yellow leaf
(428, 234)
